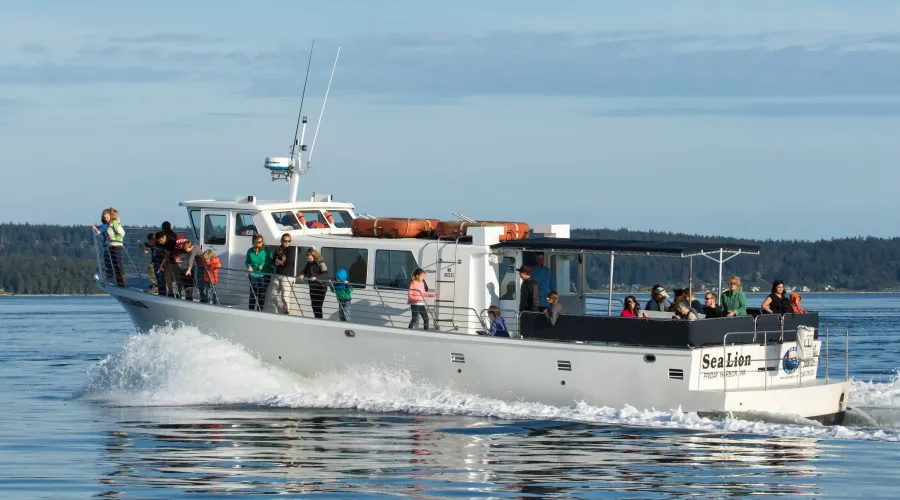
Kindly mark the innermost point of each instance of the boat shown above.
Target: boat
(754, 364)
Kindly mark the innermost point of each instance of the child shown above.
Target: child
(210, 277)
(186, 261)
(115, 240)
(343, 290)
(554, 308)
(416, 298)
(159, 259)
(498, 326)
(151, 269)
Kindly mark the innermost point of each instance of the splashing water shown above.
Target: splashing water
(181, 366)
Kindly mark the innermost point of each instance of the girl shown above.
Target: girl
(554, 308)
(416, 298)
(102, 245)
(632, 309)
(317, 271)
(498, 326)
(210, 277)
(115, 237)
(186, 261)
(259, 265)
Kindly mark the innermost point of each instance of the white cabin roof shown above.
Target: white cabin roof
(243, 204)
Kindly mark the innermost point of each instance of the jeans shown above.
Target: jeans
(344, 310)
(160, 281)
(118, 267)
(259, 285)
(418, 310)
(207, 292)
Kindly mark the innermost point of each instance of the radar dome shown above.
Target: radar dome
(278, 164)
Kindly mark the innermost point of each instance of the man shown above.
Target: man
(659, 299)
(285, 270)
(544, 278)
(711, 309)
(528, 298)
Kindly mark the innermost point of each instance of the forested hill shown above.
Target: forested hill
(49, 259)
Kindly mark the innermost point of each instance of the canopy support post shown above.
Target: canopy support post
(721, 261)
(690, 278)
(612, 266)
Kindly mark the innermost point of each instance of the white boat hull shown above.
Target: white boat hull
(501, 368)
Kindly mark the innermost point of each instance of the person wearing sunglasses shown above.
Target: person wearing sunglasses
(285, 259)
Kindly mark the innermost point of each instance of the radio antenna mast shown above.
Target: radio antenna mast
(302, 96)
(321, 113)
(294, 172)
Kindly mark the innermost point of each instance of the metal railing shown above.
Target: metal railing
(764, 338)
(270, 293)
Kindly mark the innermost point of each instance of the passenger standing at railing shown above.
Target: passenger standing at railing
(187, 261)
(159, 259)
(416, 298)
(147, 247)
(102, 245)
(316, 271)
(208, 276)
(285, 270)
(173, 277)
(259, 265)
(343, 291)
(734, 302)
(115, 235)
(529, 295)
(544, 277)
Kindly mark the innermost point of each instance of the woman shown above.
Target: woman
(259, 265)
(102, 245)
(776, 302)
(317, 272)
(632, 309)
(682, 311)
(115, 238)
(734, 302)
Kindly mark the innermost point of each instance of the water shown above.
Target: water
(90, 409)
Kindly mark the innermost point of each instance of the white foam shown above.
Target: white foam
(181, 366)
(872, 394)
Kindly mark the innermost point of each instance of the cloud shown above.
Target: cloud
(167, 38)
(883, 109)
(79, 74)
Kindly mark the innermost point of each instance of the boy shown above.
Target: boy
(343, 290)
(158, 261)
(151, 270)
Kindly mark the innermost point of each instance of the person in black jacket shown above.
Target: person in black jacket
(529, 298)
(285, 269)
(317, 272)
(711, 309)
(777, 301)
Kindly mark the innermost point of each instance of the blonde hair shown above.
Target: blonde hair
(494, 311)
(317, 257)
(735, 279)
(258, 237)
(187, 243)
(552, 297)
(113, 214)
(208, 254)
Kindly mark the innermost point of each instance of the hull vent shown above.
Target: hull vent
(564, 366)
(456, 357)
(676, 374)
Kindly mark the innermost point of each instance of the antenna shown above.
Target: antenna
(321, 113)
(294, 172)
(302, 96)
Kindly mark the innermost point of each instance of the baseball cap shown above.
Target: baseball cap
(524, 269)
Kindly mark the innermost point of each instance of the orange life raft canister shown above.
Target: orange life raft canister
(393, 227)
(457, 228)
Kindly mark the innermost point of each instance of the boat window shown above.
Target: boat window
(286, 221)
(353, 260)
(313, 219)
(244, 225)
(393, 268)
(342, 218)
(214, 230)
(195, 223)
(506, 275)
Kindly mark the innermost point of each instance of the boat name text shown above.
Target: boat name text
(729, 361)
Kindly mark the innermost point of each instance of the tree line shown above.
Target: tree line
(53, 259)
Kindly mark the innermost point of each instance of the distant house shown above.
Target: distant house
(754, 289)
(804, 288)
(829, 288)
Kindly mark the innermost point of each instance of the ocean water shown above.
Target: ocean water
(90, 409)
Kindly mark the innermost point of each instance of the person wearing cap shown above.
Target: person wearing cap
(529, 297)
(659, 299)
(544, 278)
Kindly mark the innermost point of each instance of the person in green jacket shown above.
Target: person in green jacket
(259, 265)
(734, 302)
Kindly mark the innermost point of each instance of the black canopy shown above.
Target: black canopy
(674, 248)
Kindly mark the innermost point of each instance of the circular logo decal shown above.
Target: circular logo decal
(790, 363)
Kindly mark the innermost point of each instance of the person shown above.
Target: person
(316, 271)
(416, 296)
(285, 270)
(259, 265)
(677, 296)
(530, 292)
(733, 301)
(682, 311)
(498, 325)
(776, 302)
(147, 248)
(711, 309)
(659, 299)
(544, 277)
(796, 299)
(343, 291)
(173, 277)
(692, 300)
(115, 238)
(631, 308)
(159, 259)
(102, 245)
(554, 308)
(208, 277)
(682, 296)
(186, 262)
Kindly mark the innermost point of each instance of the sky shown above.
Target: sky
(764, 119)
